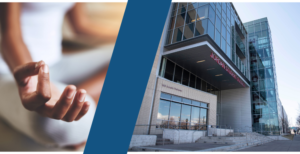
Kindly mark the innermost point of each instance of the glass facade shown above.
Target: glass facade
(181, 113)
(266, 106)
(220, 21)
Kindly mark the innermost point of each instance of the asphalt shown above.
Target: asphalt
(284, 145)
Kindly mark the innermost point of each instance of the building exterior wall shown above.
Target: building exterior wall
(236, 109)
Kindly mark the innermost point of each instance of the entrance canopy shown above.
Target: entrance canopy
(203, 60)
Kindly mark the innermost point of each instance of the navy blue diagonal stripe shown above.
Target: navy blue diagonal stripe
(127, 76)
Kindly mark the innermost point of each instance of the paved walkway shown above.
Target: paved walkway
(284, 145)
(188, 146)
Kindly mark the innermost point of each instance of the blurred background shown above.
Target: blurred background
(109, 17)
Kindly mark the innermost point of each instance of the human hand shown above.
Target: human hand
(39, 95)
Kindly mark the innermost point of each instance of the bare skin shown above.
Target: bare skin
(36, 91)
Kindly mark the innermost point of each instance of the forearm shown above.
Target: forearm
(14, 50)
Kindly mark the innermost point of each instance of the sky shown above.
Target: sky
(285, 28)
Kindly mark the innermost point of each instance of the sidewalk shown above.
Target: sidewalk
(289, 145)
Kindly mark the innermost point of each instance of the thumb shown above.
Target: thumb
(22, 72)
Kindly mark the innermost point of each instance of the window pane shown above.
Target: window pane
(212, 15)
(192, 81)
(262, 85)
(188, 101)
(228, 51)
(208, 89)
(196, 103)
(172, 22)
(261, 74)
(176, 98)
(201, 27)
(175, 112)
(163, 110)
(270, 83)
(165, 96)
(211, 30)
(198, 84)
(218, 38)
(181, 5)
(178, 74)
(203, 116)
(202, 12)
(192, 6)
(203, 85)
(195, 115)
(180, 20)
(177, 34)
(204, 105)
(269, 73)
(185, 79)
(213, 5)
(228, 37)
(218, 24)
(223, 43)
(224, 15)
(191, 16)
(169, 70)
(257, 27)
(189, 31)
(169, 37)
(255, 97)
(271, 96)
(224, 31)
(186, 113)
(267, 62)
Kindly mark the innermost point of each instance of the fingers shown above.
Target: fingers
(21, 73)
(33, 100)
(43, 90)
(62, 106)
(76, 106)
(84, 110)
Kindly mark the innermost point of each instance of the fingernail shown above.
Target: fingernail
(70, 93)
(45, 68)
(39, 63)
(81, 96)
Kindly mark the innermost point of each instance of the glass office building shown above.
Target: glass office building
(211, 69)
(266, 106)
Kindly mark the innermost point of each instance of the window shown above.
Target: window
(211, 30)
(212, 15)
(169, 70)
(192, 81)
(228, 51)
(203, 85)
(169, 37)
(172, 22)
(190, 17)
(180, 114)
(218, 38)
(180, 20)
(185, 78)
(228, 38)
(223, 45)
(201, 27)
(269, 73)
(178, 74)
(189, 31)
(218, 24)
(257, 27)
(177, 34)
(192, 6)
(202, 12)
(198, 84)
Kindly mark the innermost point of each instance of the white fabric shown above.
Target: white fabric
(41, 25)
(71, 69)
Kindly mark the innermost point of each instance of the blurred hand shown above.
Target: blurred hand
(39, 95)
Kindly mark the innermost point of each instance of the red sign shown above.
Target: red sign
(223, 65)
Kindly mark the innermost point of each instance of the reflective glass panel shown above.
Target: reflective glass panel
(178, 74)
(163, 110)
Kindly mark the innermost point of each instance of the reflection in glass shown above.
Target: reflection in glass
(190, 17)
(165, 96)
(187, 101)
(269, 73)
(189, 31)
(186, 113)
(212, 15)
(163, 110)
(175, 112)
(201, 27)
(218, 38)
(177, 34)
(203, 114)
(211, 30)
(180, 20)
(202, 12)
(195, 115)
